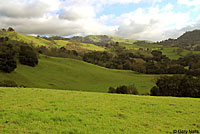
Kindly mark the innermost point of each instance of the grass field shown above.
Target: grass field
(78, 46)
(63, 73)
(41, 111)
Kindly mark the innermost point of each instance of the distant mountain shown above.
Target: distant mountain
(190, 39)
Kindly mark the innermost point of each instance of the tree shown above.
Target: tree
(112, 90)
(156, 53)
(7, 62)
(178, 86)
(131, 89)
(10, 29)
(27, 56)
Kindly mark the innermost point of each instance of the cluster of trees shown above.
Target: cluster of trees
(105, 59)
(10, 29)
(155, 64)
(178, 86)
(58, 52)
(8, 61)
(28, 56)
(124, 90)
(11, 52)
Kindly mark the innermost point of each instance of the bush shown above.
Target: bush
(8, 83)
(111, 90)
(27, 56)
(178, 86)
(7, 62)
(124, 90)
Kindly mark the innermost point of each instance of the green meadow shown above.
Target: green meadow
(44, 111)
(70, 74)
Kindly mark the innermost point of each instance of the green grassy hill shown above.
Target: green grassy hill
(64, 73)
(37, 41)
(41, 111)
(78, 46)
(84, 47)
(101, 39)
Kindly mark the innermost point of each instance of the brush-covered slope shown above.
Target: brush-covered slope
(188, 39)
(41, 111)
(63, 73)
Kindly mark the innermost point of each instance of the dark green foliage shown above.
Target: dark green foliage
(120, 61)
(58, 52)
(8, 83)
(124, 90)
(176, 69)
(27, 56)
(7, 62)
(7, 58)
(194, 72)
(4, 39)
(10, 29)
(156, 53)
(178, 86)
(112, 90)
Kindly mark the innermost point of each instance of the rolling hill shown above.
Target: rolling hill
(101, 39)
(41, 111)
(38, 41)
(64, 73)
(189, 39)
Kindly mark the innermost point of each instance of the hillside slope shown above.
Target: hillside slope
(38, 41)
(41, 111)
(101, 39)
(63, 73)
(190, 39)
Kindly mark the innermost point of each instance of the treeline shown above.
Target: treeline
(177, 86)
(58, 52)
(157, 63)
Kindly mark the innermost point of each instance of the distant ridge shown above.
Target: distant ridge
(190, 39)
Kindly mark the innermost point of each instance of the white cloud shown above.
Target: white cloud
(189, 2)
(27, 9)
(168, 7)
(78, 12)
(151, 24)
(78, 17)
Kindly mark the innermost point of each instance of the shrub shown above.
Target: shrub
(124, 90)
(8, 83)
(27, 56)
(111, 90)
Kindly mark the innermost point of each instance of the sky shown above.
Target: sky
(152, 20)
